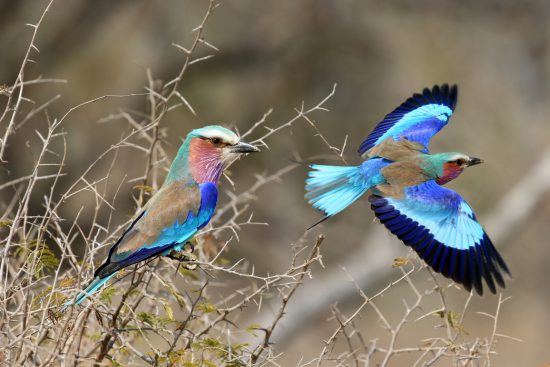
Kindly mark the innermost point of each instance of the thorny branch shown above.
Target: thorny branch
(15, 93)
(284, 301)
(161, 313)
(33, 287)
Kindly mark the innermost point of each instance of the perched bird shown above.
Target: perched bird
(182, 206)
(407, 195)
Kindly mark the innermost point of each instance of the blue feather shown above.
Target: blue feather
(168, 238)
(178, 232)
(417, 119)
(442, 228)
(95, 284)
(333, 188)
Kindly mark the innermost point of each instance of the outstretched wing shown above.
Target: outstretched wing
(442, 228)
(418, 119)
(171, 217)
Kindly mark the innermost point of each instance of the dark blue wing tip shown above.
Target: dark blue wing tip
(468, 267)
(439, 94)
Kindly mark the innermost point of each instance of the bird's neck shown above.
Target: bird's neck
(196, 161)
(450, 171)
(436, 167)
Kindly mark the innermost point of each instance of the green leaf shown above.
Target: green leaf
(107, 294)
(212, 343)
(168, 310)
(148, 318)
(454, 321)
(188, 273)
(46, 260)
(206, 307)
(5, 223)
(153, 320)
(114, 363)
(223, 261)
(96, 337)
(453, 318)
(144, 188)
(251, 329)
(399, 262)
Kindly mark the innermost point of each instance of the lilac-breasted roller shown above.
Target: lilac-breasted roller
(182, 206)
(407, 195)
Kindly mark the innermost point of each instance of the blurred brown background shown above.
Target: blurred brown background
(278, 53)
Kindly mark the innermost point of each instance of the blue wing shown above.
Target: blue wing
(418, 119)
(442, 228)
(175, 214)
(171, 217)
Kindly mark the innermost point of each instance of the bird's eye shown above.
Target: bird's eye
(460, 162)
(216, 141)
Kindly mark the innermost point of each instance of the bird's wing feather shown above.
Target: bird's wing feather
(418, 119)
(442, 228)
(171, 217)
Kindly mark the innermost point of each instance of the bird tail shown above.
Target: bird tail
(94, 285)
(333, 188)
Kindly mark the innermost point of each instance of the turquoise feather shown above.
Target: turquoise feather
(94, 285)
(184, 204)
(407, 196)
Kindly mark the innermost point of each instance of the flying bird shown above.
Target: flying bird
(182, 206)
(407, 192)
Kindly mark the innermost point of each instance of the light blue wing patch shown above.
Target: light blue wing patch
(179, 232)
(168, 238)
(442, 228)
(450, 221)
(417, 119)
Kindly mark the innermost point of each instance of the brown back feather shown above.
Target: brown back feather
(396, 150)
(171, 203)
(406, 169)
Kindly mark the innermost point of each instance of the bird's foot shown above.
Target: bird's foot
(184, 256)
(189, 246)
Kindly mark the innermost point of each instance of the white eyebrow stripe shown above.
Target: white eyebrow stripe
(458, 156)
(230, 137)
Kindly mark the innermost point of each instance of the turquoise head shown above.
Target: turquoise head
(448, 166)
(205, 153)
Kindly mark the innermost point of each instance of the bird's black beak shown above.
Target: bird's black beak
(243, 147)
(473, 161)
